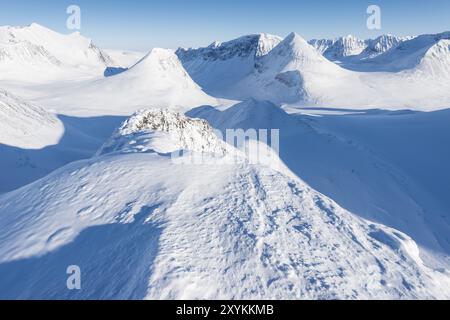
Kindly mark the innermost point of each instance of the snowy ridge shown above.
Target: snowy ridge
(296, 73)
(35, 46)
(184, 133)
(219, 66)
(436, 61)
(236, 231)
(339, 48)
(382, 44)
(25, 125)
(408, 54)
(255, 45)
(350, 47)
(27, 53)
(293, 72)
(157, 80)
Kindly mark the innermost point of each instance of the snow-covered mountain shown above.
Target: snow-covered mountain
(25, 125)
(339, 48)
(381, 45)
(294, 72)
(353, 49)
(220, 65)
(161, 229)
(158, 79)
(38, 50)
(425, 50)
(354, 206)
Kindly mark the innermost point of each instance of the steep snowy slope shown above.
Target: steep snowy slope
(26, 126)
(386, 167)
(407, 55)
(25, 50)
(143, 226)
(158, 79)
(294, 72)
(435, 63)
(220, 65)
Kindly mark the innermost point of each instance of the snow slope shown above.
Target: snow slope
(220, 65)
(34, 142)
(158, 79)
(385, 167)
(142, 226)
(25, 125)
(295, 73)
(48, 55)
(407, 55)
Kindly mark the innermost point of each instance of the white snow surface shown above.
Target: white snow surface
(189, 231)
(25, 125)
(37, 53)
(296, 73)
(158, 80)
(355, 206)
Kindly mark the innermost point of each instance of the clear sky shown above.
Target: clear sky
(143, 24)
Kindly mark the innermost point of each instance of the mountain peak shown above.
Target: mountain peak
(158, 58)
(248, 46)
(294, 37)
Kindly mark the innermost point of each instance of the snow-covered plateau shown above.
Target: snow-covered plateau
(352, 203)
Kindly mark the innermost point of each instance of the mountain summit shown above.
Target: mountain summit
(36, 49)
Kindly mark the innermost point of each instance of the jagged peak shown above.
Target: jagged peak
(158, 57)
(252, 45)
(296, 47)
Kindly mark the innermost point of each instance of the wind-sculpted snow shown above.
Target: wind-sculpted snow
(141, 226)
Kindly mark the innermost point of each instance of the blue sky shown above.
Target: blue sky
(141, 25)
